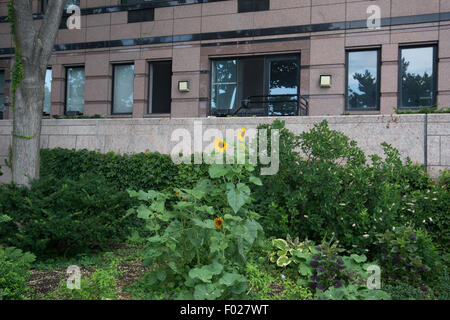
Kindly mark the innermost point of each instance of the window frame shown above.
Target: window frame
(378, 103)
(112, 88)
(267, 58)
(435, 74)
(67, 84)
(150, 87)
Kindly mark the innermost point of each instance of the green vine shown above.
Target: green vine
(17, 70)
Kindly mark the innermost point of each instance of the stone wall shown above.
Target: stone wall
(405, 132)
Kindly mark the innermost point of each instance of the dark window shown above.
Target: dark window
(141, 15)
(363, 84)
(417, 77)
(48, 91)
(123, 89)
(74, 90)
(68, 3)
(264, 85)
(2, 93)
(160, 87)
(253, 5)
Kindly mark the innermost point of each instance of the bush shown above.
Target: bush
(64, 216)
(142, 171)
(408, 256)
(14, 273)
(325, 188)
(404, 291)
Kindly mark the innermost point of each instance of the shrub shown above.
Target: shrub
(404, 291)
(328, 190)
(64, 216)
(202, 236)
(14, 273)
(444, 179)
(144, 171)
(408, 256)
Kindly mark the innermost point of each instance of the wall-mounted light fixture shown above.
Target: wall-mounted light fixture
(325, 81)
(183, 86)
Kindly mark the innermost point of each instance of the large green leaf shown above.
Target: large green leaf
(283, 261)
(230, 279)
(206, 273)
(218, 170)
(144, 212)
(206, 291)
(237, 195)
(280, 244)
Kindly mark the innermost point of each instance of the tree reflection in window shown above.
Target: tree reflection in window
(75, 89)
(416, 70)
(224, 84)
(362, 80)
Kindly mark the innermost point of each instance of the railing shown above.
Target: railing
(268, 105)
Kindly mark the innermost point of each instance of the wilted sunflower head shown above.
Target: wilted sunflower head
(241, 134)
(218, 222)
(220, 145)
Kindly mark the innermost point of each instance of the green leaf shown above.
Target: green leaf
(237, 195)
(206, 273)
(217, 170)
(283, 261)
(206, 291)
(230, 279)
(280, 244)
(144, 212)
(359, 259)
(304, 270)
(256, 181)
(206, 224)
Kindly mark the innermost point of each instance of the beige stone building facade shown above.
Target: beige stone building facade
(199, 58)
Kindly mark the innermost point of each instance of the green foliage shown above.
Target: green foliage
(423, 110)
(268, 286)
(14, 273)
(144, 171)
(444, 179)
(101, 285)
(408, 256)
(64, 216)
(325, 269)
(201, 236)
(17, 73)
(404, 291)
(325, 188)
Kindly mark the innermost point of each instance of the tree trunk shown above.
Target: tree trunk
(33, 49)
(27, 128)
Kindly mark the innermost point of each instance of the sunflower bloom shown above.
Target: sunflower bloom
(220, 145)
(218, 222)
(241, 134)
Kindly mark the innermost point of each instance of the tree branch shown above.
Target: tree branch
(49, 29)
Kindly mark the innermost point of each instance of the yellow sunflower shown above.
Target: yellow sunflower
(241, 134)
(220, 145)
(218, 222)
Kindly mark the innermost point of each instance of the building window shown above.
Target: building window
(2, 93)
(363, 85)
(74, 90)
(160, 87)
(253, 5)
(260, 85)
(123, 79)
(417, 77)
(48, 91)
(141, 15)
(68, 3)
